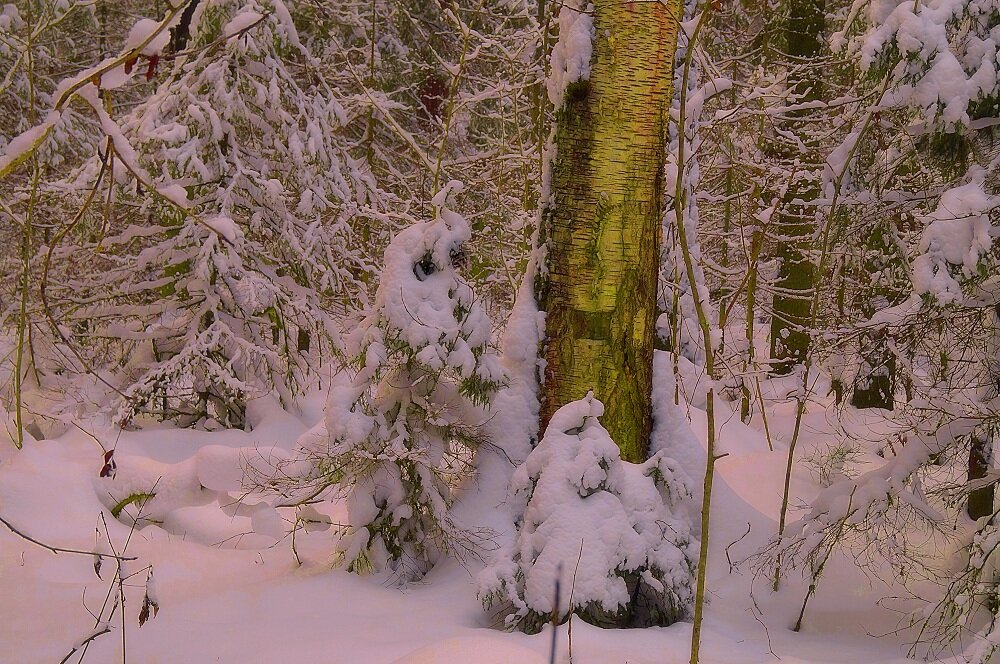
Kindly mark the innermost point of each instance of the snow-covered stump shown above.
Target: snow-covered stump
(398, 440)
(601, 528)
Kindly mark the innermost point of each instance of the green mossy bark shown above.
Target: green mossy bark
(795, 222)
(603, 223)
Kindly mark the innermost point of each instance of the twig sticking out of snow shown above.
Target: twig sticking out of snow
(101, 629)
(58, 549)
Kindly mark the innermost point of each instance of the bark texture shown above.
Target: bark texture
(796, 219)
(602, 226)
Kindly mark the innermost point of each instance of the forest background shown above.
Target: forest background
(357, 285)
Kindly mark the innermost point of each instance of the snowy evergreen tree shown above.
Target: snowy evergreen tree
(402, 437)
(223, 268)
(602, 530)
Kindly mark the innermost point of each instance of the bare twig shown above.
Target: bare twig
(58, 549)
(572, 589)
(733, 543)
(103, 628)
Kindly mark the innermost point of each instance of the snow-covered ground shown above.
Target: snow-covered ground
(228, 595)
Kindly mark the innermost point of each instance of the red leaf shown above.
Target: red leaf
(151, 69)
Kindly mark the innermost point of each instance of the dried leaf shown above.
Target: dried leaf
(149, 601)
(109, 467)
(151, 69)
(144, 611)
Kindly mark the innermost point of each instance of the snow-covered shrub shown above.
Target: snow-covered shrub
(874, 515)
(442, 87)
(941, 55)
(930, 159)
(37, 48)
(955, 246)
(223, 272)
(602, 528)
(40, 45)
(970, 603)
(939, 60)
(399, 439)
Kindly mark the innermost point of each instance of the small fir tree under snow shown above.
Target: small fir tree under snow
(402, 436)
(238, 256)
(602, 528)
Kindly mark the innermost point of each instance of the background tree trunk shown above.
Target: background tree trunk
(875, 384)
(981, 500)
(980, 460)
(791, 320)
(181, 32)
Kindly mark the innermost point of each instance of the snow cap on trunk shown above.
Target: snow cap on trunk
(570, 60)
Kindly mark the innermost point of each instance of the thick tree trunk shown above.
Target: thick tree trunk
(796, 221)
(602, 226)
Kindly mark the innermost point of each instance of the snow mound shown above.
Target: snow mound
(204, 497)
(482, 650)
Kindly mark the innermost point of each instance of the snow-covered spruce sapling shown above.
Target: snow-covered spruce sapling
(603, 528)
(236, 289)
(400, 439)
